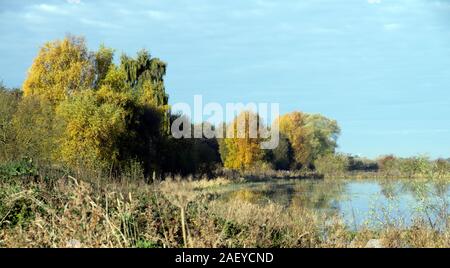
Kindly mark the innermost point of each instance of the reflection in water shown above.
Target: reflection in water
(360, 202)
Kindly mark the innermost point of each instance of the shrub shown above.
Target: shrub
(23, 168)
(332, 165)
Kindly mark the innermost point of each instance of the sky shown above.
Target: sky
(381, 68)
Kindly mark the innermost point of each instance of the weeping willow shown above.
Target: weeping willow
(145, 75)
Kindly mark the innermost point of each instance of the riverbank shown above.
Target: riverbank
(71, 212)
(264, 175)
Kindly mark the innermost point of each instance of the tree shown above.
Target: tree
(292, 126)
(61, 68)
(145, 75)
(282, 155)
(93, 126)
(243, 151)
(103, 61)
(310, 136)
(36, 129)
(97, 115)
(9, 100)
(322, 136)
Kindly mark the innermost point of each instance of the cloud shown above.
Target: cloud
(372, 2)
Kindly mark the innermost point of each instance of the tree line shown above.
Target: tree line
(81, 110)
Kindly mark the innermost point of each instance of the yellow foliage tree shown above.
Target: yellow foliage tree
(243, 150)
(61, 68)
(310, 136)
(291, 125)
(92, 129)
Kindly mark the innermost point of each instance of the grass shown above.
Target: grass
(79, 212)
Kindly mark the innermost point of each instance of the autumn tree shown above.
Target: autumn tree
(292, 126)
(93, 126)
(61, 68)
(310, 136)
(111, 124)
(9, 100)
(96, 114)
(243, 142)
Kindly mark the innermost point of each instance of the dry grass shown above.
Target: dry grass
(175, 213)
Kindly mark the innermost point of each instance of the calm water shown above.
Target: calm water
(359, 202)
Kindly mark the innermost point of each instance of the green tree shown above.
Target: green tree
(322, 136)
(282, 155)
(145, 75)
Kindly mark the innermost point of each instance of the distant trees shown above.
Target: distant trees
(303, 139)
(80, 109)
(415, 166)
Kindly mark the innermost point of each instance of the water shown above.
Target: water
(372, 203)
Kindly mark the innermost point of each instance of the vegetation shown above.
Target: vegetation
(66, 212)
(83, 113)
(86, 159)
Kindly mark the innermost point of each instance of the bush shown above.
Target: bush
(332, 165)
(23, 168)
(389, 165)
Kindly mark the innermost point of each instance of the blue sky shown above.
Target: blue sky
(381, 68)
